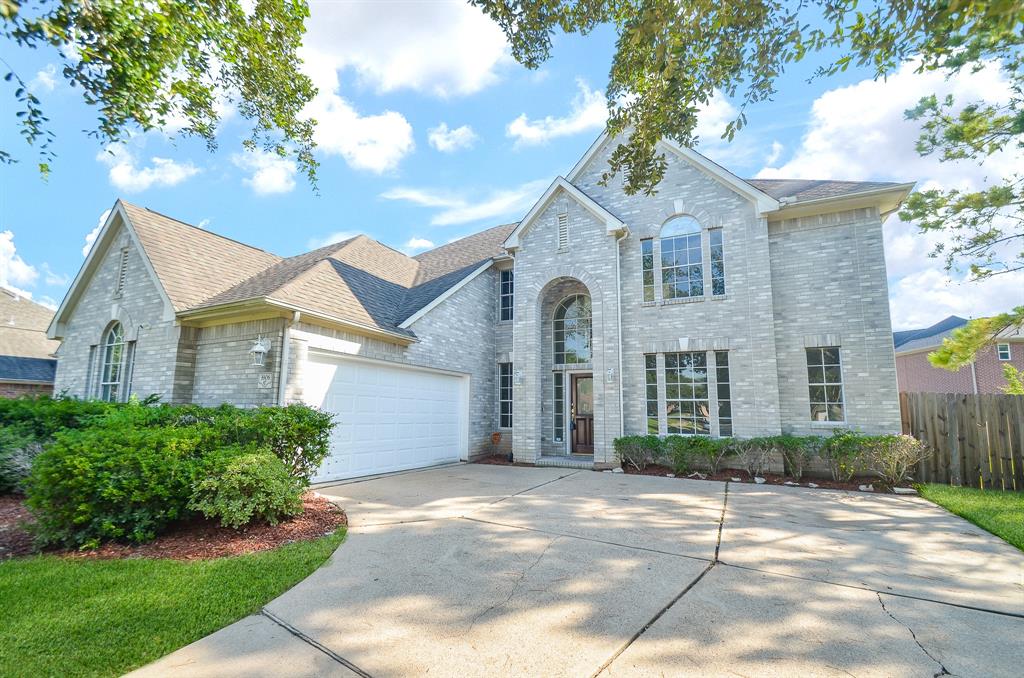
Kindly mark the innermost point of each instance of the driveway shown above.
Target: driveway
(477, 570)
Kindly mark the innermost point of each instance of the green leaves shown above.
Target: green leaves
(961, 347)
(146, 63)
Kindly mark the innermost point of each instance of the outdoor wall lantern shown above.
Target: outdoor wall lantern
(258, 352)
(609, 375)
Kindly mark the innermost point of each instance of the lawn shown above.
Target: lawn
(68, 616)
(999, 512)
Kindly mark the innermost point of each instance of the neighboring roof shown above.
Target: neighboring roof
(18, 368)
(23, 326)
(192, 263)
(803, 190)
(926, 337)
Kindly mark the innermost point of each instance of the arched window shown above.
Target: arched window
(572, 330)
(113, 363)
(682, 264)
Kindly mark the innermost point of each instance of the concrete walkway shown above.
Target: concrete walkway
(504, 571)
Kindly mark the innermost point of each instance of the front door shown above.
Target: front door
(582, 414)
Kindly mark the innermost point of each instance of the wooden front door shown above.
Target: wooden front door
(582, 414)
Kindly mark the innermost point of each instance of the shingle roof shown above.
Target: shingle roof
(926, 337)
(802, 190)
(193, 264)
(19, 368)
(23, 326)
(464, 252)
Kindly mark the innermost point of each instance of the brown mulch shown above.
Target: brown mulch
(498, 460)
(741, 476)
(195, 540)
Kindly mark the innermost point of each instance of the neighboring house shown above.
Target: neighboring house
(718, 306)
(985, 375)
(27, 365)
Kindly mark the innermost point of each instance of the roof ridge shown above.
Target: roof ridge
(197, 228)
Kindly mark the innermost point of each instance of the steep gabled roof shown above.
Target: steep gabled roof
(462, 253)
(193, 264)
(926, 337)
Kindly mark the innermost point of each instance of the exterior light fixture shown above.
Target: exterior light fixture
(258, 352)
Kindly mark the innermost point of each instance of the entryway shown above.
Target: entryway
(581, 414)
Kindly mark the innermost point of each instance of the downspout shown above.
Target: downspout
(286, 345)
(618, 318)
(974, 378)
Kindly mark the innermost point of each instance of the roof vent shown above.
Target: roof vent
(563, 231)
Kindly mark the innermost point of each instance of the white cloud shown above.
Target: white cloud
(588, 112)
(270, 172)
(330, 239)
(48, 302)
(45, 80)
(859, 132)
(203, 223)
(775, 153)
(51, 277)
(126, 175)
(441, 48)
(417, 245)
(376, 143)
(450, 140)
(456, 209)
(90, 237)
(15, 272)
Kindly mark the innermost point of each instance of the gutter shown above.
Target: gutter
(286, 345)
(618, 319)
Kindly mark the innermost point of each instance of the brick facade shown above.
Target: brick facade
(916, 375)
(14, 389)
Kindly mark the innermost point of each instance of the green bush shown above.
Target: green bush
(683, 451)
(247, 485)
(892, 457)
(97, 484)
(843, 451)
(797, 452)
(639, 451)
(43, 416)
(18, 448)
(299, 435)
(754, 452)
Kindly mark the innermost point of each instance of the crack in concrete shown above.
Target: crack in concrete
(942, 669)
(531, 489)
(516, 586)
(314, 644)
(721, 521)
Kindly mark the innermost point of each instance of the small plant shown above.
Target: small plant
(639, 451)
(797, 452)
(17, 450)
(713, 451)
(893, 457)
(844, 453)
(754, 452)
(247, 486)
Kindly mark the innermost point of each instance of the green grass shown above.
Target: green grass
(999, 512)
(63, 616)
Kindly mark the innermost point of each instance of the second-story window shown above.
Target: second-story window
(1003, 351)
(507, 294)
(647, 261)
(717, 263)
(682, 261)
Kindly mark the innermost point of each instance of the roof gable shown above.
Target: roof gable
(558, 187)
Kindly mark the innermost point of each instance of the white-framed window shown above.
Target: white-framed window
(717, 262)
(724, 393)
(113, 363)
(687, 405)
(506, 294)
(651, 380)
(1003, 351)
(825, 384)
(682, 259)
(558, 421)
(572, 330)
(647, 265)
(504, 395)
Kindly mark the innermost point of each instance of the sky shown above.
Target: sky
(430, 131)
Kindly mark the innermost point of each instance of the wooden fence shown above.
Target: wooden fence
(976, 440)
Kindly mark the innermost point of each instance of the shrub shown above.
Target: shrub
(17, 450)
(43, 416)
(111, 483)
(892, 457)
(247, 485)
(797, 451)
(843, 452)
(639, 451)
(755, 453)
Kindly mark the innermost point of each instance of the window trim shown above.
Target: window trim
(554, 331)
(657, 270)
(694, 399)
(999, 352)
(505, 375)
(110, 388)
(825, 384)
(510, 295)
(694, 228)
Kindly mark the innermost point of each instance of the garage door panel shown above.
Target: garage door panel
(389, 418)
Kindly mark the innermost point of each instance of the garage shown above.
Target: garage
(389, 417)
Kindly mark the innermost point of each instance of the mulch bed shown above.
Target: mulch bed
(741, 476)
(195, 540)
(498, 460)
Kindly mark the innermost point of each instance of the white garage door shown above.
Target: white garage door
(389, 418)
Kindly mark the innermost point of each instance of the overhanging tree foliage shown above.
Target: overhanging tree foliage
(146, 63)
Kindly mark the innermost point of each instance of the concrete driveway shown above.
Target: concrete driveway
(479, 570)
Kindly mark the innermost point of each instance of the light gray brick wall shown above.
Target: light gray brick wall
(223, 366)
(830, 284)
(141, 310)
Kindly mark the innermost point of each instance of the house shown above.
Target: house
(27, 365)
(915, 374)
(718, 306)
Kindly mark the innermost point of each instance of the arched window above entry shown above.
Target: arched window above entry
(572, 330)
(113, 362)
(682, 260)
(681, 225)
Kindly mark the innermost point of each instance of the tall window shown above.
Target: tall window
(647, 259)
(651, 374)
(572, 330)
(505, 395)
(113, 354)
(724, 394)
(825, 384)
(686, 393)
(559, 419)
(682, 265)
(507, 294)
(717, 263)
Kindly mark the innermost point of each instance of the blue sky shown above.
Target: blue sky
(438, 133)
